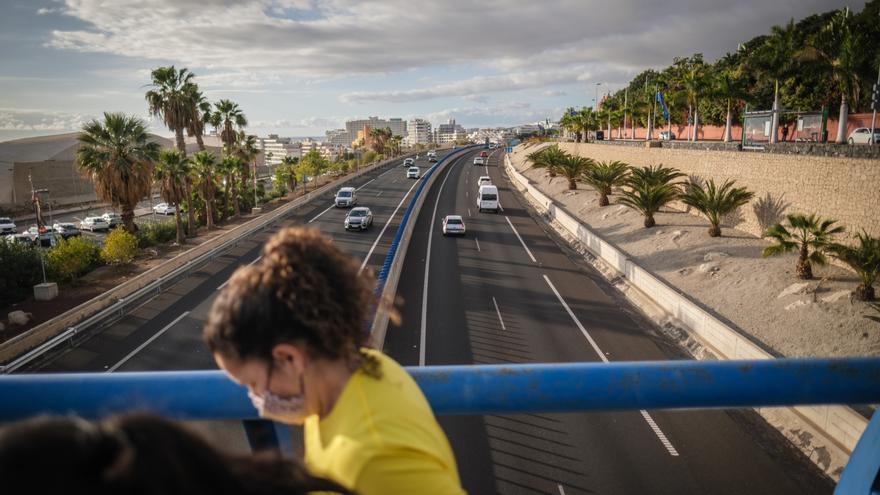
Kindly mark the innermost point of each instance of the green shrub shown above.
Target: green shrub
(119, 247)
(72, 257)
(21, 271)
(154, 233)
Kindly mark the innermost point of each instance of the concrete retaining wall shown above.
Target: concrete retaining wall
(840, 424)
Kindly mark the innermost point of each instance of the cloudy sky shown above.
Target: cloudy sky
(299, 67)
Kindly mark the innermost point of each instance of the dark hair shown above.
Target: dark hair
(306, 291)
(139, 454)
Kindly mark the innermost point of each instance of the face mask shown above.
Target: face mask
(288, 410)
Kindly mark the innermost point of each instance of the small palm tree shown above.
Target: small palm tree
(205, 171)
(572, 167)
(172, 171)
(648, 197)
(864, 258)
(547, 158)
(118, 156)
(810, 235)
(657, 174)
(716, 202)
(604, 176)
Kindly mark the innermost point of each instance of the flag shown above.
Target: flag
(663, 104)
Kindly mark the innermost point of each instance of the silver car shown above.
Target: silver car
(360, 218)
(7, 226)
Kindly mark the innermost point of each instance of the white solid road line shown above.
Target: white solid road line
(520, 240)
(365, 184)
(498, 312)
(376, 242)
(424, 330)
(478, 244)
(561, 490)
(319, 214)
(648, 419)
(227, 280)
(379, 194)
(151, 339)
(469, 212)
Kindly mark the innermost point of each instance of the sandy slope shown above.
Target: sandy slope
(761, 296)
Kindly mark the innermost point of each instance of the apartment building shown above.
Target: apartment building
(418, 132)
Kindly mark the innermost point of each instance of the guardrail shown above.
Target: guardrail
(499, 389)
(114, 304)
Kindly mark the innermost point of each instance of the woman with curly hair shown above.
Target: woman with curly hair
(291, 328)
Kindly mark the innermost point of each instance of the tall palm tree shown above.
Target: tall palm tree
(230, 167)
(572, 167)
(396, 142)
(171, 100)
(864, 259)
(228, 119)
(693, 82)
(172, 171)
(604, 176)
(379, 138)
(246, 148)
(726, 86)
(716, 202)
(585, 120)
(840, 49)
(809, 235)
(290, 163)
(200, 115)
(118, 156)
(205, 170)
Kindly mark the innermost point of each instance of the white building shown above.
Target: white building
(338, 137)
(397, 126)
(418, 132)
(273, 150)
(449, 132)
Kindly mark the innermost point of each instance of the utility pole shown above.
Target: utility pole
(875, 102)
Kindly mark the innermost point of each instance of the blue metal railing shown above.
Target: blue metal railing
(498, 390)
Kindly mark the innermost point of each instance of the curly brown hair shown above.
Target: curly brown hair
(304, 291)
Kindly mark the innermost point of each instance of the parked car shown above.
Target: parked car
(479, 160)
(453, 225)
(484, 180)
(862, 135)
(359, 218)
(113, 219)
(412, 173)
(44, 236)
(667, 136)
(161, 209)
(345, 197)
(66, 230)
(94, 223)
(7, 226)
(22, 239)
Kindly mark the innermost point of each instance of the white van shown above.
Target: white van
(487, 198)
(345, 197)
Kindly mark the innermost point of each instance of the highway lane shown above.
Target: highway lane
(165, 333)
(508, 293)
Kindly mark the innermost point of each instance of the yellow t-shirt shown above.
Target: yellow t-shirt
(382, 438)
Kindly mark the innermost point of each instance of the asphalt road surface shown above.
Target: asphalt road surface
(507, 292)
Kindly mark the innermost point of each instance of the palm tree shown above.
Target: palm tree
(716, 202)
(657, 174)
(585, 121)
(118, 156)
(810, 235)
(604, 176)
(379, 139)
(228, 118)
(200, 115)
(726, 85)
(290, 163)
(572, 167)
(864, 259)
(205, 170)
(246, 149)
(692, 81)
(840, 49)
(171, 100)
(172, 172)
(396, 141)
(547, 158)
(648, 197)
(230, 167)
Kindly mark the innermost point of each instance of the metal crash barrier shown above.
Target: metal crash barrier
(495, 389)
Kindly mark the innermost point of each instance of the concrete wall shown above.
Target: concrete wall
(844, 189)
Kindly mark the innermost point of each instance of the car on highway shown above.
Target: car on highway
(345, 197)
(360, 218)
(432, 158)
(484, 180)
(479, 160)
(484, 154)
(95, 223)
(41, 236)
(487, 198)
(161, 209)
(862, 135)
(453, 225)
(112, 218)
(66, 230)
(413, 173)
(7, 226)
(408, 161)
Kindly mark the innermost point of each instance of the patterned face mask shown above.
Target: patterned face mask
(288, 410)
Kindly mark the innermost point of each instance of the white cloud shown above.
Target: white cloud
(307, 123)
(509, 115)
(554, 92)
(39, 120)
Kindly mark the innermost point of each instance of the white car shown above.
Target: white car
(94, 223)
(113, 219)
(408, 161)
(479, 160)
(453, 225)
(345, 197)
(359, 218)
(862, 135)
(66, 230)
(161, 209)
(7, 226)
(413, 173)
(484, 180)
(487, 198)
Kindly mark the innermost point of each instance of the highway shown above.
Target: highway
(507, 292)
(165, 333)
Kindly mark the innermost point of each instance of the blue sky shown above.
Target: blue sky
(299, 67)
